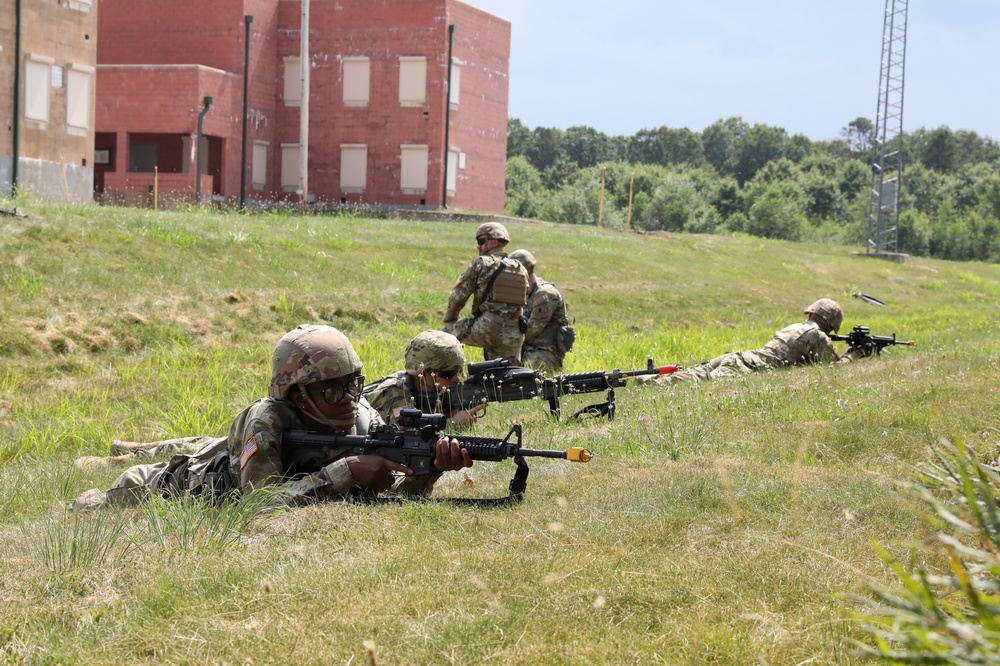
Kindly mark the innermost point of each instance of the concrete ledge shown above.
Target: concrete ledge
(897, 257)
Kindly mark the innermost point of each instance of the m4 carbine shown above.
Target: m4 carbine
(499, 381)
(861, 338)
(411, 442)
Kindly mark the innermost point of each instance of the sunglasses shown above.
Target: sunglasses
(482, 241)
(334, 394)
(446, 374)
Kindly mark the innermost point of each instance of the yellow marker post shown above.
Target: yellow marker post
(65, 182)
(631, 186)
(156, 188)
(600, 214)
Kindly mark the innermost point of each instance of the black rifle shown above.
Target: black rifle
(411, 442)
(499, 381)
(861, 338)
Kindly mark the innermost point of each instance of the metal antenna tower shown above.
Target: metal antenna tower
(887, 165)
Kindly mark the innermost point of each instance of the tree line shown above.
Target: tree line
(756, 179)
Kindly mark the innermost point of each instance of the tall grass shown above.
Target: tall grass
(720, 522)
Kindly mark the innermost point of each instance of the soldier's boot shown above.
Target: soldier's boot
(88, 500)
(120, 446)
(90, 462)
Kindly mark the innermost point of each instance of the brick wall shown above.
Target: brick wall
(145, 32)
(62, 35)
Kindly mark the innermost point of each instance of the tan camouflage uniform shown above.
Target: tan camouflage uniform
(545, 312)
(428, 351)
(493, 326)
(252, 452)
(797, 344)
(391, 394)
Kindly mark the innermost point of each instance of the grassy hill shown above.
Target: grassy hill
(718, 523)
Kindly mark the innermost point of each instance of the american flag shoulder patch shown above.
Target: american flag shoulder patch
(249, 448)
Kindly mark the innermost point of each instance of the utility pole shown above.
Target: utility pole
(887, 163)
(304, 111)
(246, 94)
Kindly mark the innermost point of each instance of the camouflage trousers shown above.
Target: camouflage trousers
(183, 472)
(498, 337)
(731, 364)
(543, 359)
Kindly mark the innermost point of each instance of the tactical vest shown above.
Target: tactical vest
(509, 284)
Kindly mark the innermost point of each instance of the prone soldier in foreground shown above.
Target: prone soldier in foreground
(434, 361)
(315, 385)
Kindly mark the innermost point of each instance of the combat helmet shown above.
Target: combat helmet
(310, 354)
(828, 311)
(433, 350)
(493, 230)
(525, 258)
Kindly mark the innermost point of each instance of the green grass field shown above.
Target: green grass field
(723, 522)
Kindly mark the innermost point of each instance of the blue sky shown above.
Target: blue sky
(808, 66)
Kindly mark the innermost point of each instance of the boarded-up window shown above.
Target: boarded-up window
(413, 174)
(259, 170)
(452, 169)
(357, 77)
(293, 82)
(456, 83)
(412, 80)
(290, 167)
(36, 88)
(78, 97)
(353, 167)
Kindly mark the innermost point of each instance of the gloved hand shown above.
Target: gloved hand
(522, 324)
(867, 348)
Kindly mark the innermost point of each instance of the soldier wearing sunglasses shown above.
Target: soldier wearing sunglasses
(434, 361)
(316, 385)
(498, 287)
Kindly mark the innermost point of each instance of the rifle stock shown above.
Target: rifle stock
(412, 443)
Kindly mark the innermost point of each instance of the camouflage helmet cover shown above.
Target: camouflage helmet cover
(524, 257)
(828, 311)
(493, 230)
(434, 350)
(310, 354)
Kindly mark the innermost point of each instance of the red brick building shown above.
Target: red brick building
(378, 103)
(47, 98)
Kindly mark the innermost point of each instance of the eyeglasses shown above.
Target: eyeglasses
(482, 240)
(335, 393)
(446, 374)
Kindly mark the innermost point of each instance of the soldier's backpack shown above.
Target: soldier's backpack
(509, 284)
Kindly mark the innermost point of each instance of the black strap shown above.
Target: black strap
(517, 487)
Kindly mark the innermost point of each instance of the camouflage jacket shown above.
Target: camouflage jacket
(473, 282)
(255, 454)
(797, 344)
(545, 312)
(391, 394)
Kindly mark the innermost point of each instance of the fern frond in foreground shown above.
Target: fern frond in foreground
(950, 618)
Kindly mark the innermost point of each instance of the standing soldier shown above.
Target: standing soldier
(434, 361)
(499, 287)
(547, 334)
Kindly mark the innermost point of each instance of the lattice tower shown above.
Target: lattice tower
(887, 164)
